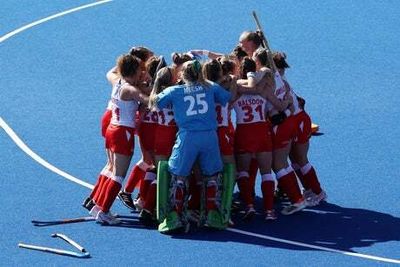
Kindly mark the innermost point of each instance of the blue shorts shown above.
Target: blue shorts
(195, 145)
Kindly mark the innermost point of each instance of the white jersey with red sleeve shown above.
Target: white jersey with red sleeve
(223, 115)
(166, 117)
(250, 109)
(295, 104)
(281, 88)
(123, 112)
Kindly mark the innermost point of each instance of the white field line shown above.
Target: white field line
(41, 161)
(37, 158)
(295, 243)
(35, 23)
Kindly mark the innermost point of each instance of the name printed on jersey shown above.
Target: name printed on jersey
(250, 109)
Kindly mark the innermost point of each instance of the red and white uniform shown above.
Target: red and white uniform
(252, 133)
(224, 130)
(147, 129)
(165, 132)
(302, 119)
(120, 132)
(285, 132)
(106, 118)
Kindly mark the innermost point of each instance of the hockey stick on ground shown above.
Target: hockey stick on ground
(74, 220)
(63, 252)
(55, 251)
(63, 221)
(70, 241)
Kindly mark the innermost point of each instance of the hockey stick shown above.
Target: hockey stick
(63, 221)
(265, 43)
(55, 251)
(74, 220)
(69, 241)
(259, 28)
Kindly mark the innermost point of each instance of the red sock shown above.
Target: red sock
(312, 181)
(144, 187)
(211, 195)
(268, 188)
(253, 174)
(149, 177)
(290, 186)
(302, 179)
(137, 175)
(112, 192)
(195, 194)
(150, 201)
(97, 186)
(102, 192)
(244, 190)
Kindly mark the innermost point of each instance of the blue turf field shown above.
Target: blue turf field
(345, 62)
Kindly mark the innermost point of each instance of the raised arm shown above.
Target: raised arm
(113, 76)
(207, 53)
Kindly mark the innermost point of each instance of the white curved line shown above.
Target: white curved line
(37, 158)
(294, 243)
(30, 25)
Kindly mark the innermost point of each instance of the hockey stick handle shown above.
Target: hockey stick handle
(72, 220)
(70, 241)
(55, 251)
(265, 41)
(259, 28)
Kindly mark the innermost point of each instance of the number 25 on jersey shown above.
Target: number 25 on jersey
(197, 105)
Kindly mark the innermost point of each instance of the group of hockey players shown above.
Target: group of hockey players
(181, 114)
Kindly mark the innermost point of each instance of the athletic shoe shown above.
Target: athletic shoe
(249, 213)
(88, 203)
(147, 219)
(138, 203)
(172, 224)
(236, 206)
(307, 194)
(270, 215)
(106, 218)
(94, 211)
(294, 207)
(214, 220)
(126, 199)
(316, 199)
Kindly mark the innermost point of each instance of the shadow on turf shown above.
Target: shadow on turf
(327, 225)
